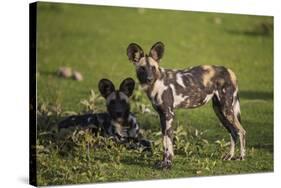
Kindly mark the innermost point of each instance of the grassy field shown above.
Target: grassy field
(93, 40)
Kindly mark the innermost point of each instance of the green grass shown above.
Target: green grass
(93, 40)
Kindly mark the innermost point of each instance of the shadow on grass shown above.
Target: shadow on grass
(262, 95)
(251, 33)
(268, 147)
(260, 29)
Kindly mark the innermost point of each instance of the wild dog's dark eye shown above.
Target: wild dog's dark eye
(153, 69)
(142, 69)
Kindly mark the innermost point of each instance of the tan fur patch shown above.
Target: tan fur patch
(170, 75)
(232, 76)
(144, 87)
(118, 128)
(142, 62)
(152, 62)
(208, 75)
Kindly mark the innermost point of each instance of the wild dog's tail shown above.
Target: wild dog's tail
(236, 107)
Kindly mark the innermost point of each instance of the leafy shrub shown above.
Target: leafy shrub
(76, 156)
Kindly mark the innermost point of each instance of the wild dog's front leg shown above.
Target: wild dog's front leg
(166, 120)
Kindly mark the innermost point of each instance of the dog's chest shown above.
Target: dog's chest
(156, 94)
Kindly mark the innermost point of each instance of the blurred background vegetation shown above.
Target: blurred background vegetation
(93, 40)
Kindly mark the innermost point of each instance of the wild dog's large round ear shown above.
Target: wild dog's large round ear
(127, 86)
(134, 52)
(106, 87)
(157, 51)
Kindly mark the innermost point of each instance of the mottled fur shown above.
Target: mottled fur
(189, 88)
(118, 122)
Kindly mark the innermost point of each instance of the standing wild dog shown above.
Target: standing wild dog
(118, 122)
(189, 88)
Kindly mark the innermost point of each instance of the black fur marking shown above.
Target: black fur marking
(106, 87)
(127, 86)
(142, 75)
(225, 122)
(99, 123)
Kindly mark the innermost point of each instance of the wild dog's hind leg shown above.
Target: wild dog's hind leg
(230, 128)
(226, 106)
(166, 119)
(241, 130)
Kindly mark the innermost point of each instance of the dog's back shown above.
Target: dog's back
(99, 122)
(195, 86)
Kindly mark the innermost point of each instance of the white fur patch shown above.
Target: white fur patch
(118, 128)
(158, 88)
(179, 80)
(178, 99)
(171, 112)
(208, 97)
(235, 103)
(217, 94)
(232, 146)
(168, 144)
(236, 108)
(169, 124)
(234, 96)
(188, 74)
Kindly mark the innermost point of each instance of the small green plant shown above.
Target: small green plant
(140, 103)
(90, 104)
(188, 141)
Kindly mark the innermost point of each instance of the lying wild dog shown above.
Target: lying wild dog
(189, 88)
(118, 122)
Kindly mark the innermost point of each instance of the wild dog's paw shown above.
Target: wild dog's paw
(164, 164)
